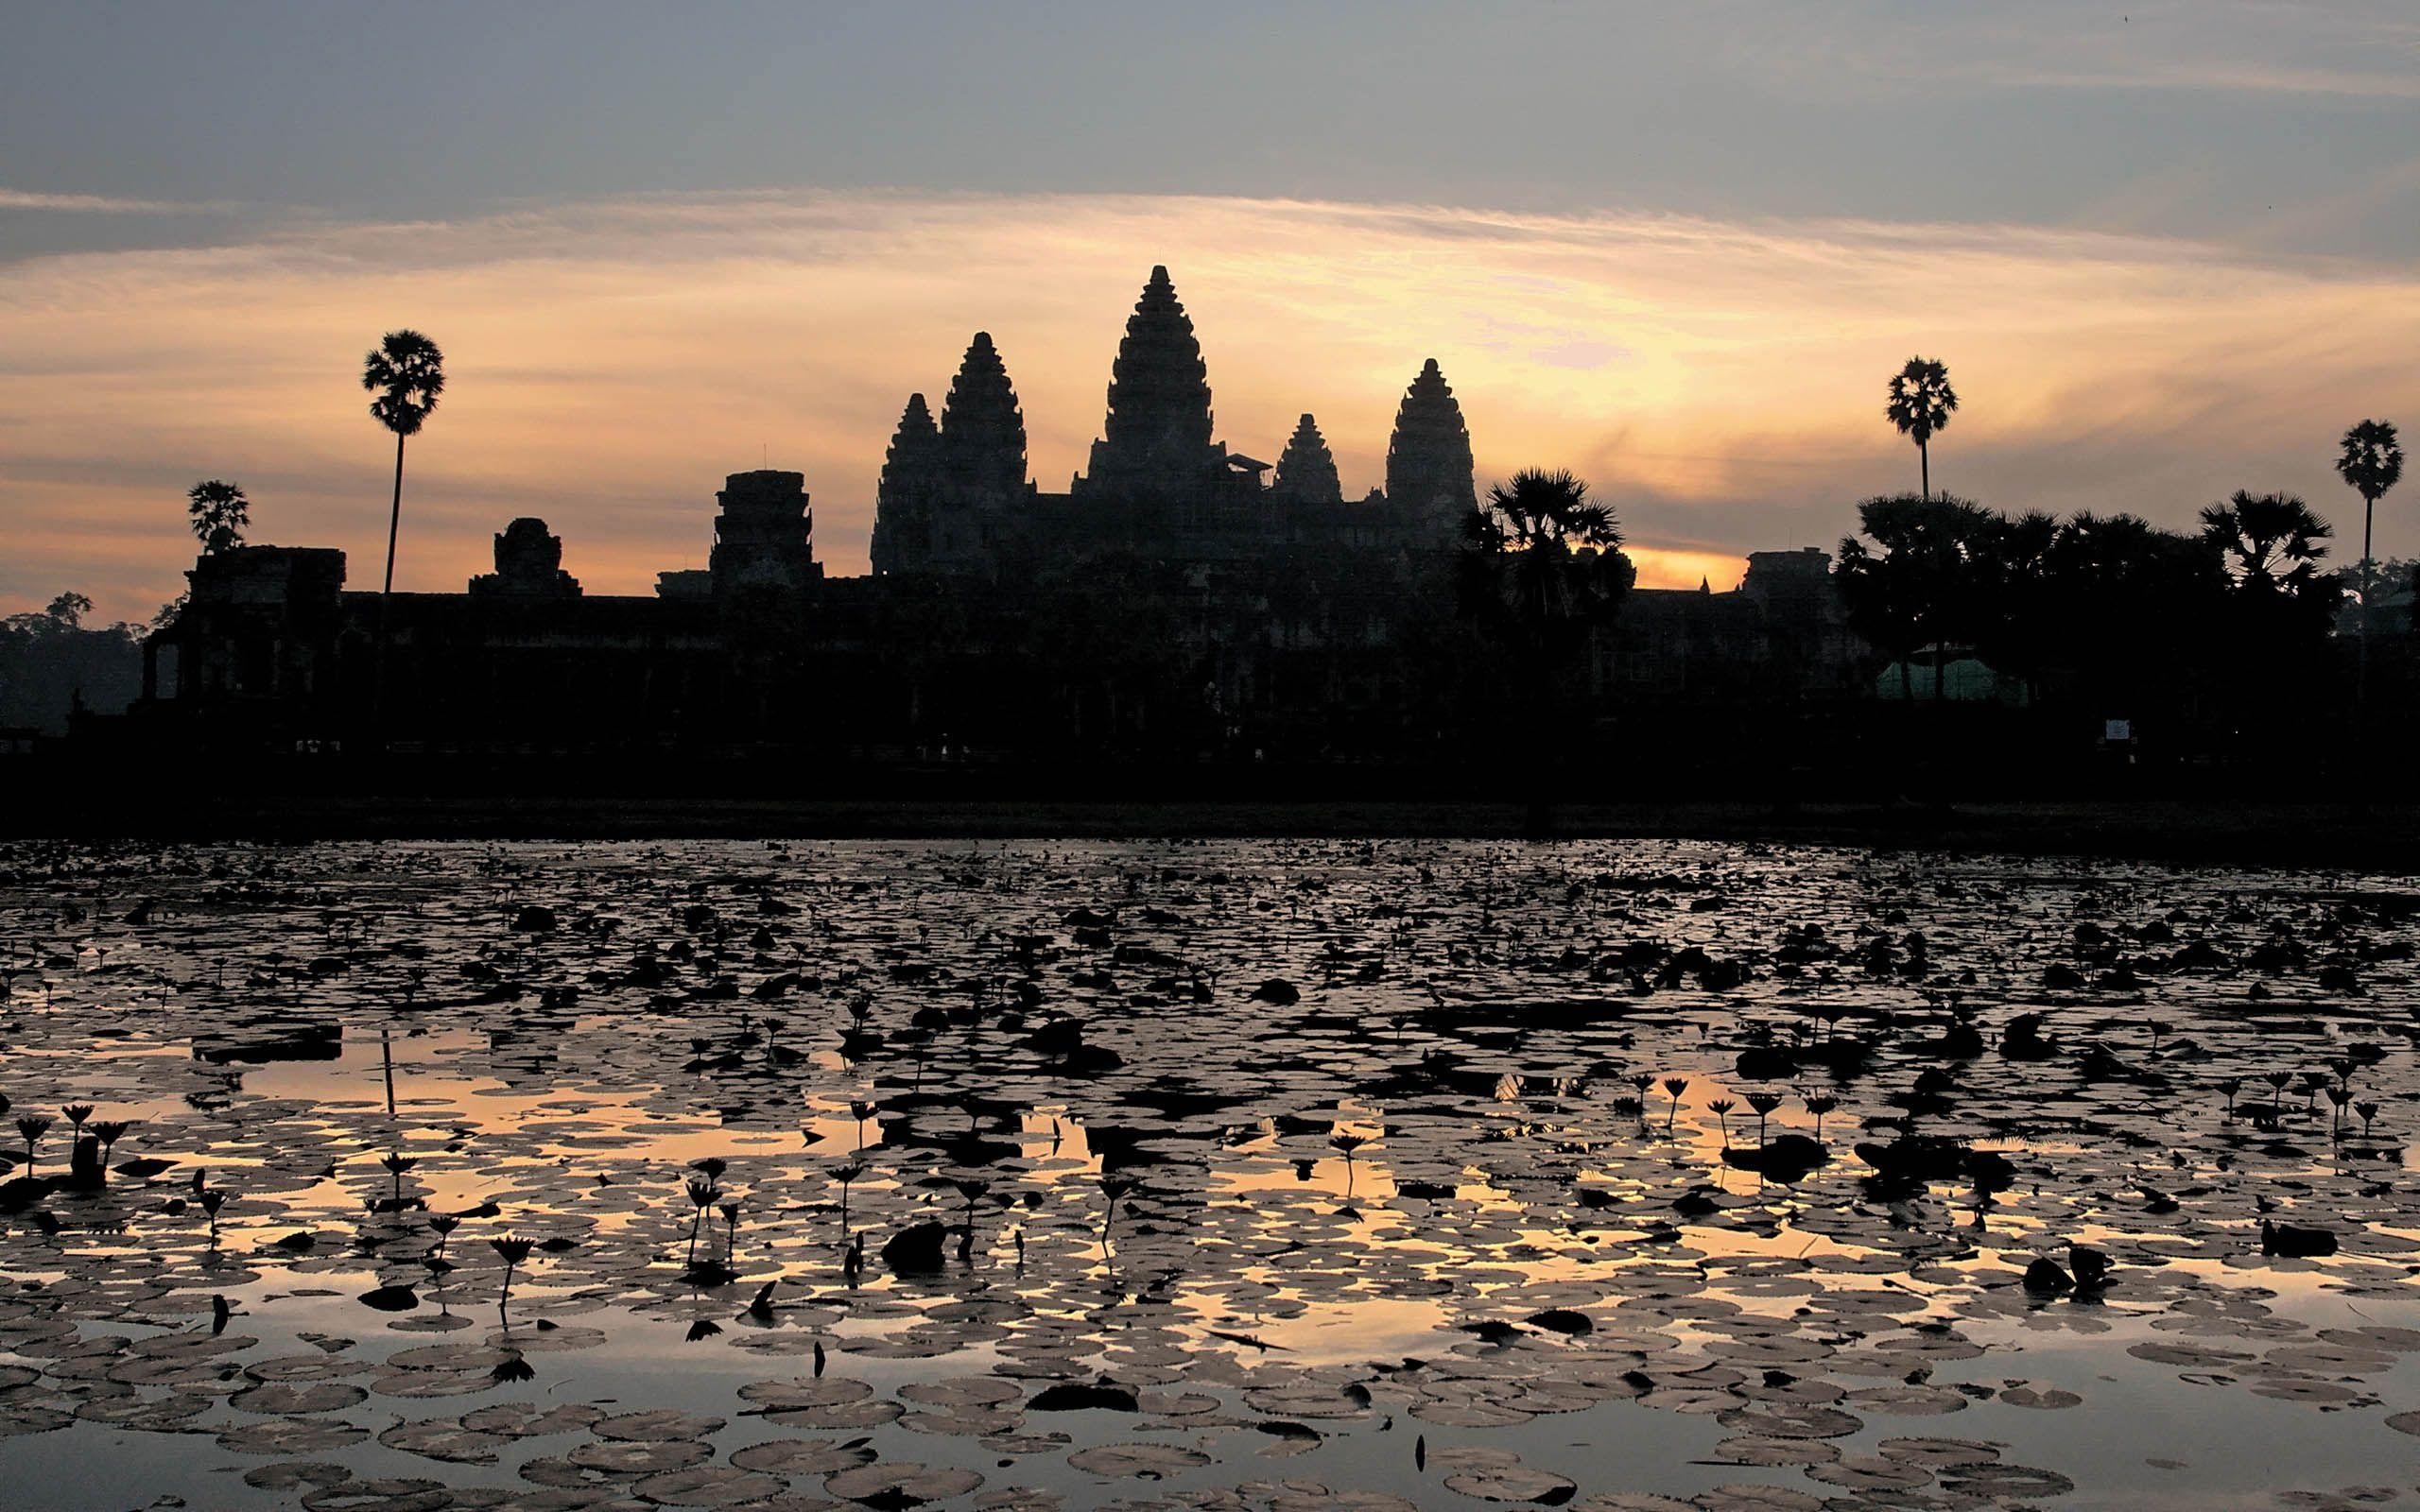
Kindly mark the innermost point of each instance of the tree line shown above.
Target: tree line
(2110, 611)
(2224, 628)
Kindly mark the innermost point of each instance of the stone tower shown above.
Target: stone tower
(528, 564)
(1156, 438)
(983, 430)
(903, 500)
(1428, 459)
(1307, 469)
(764, 535)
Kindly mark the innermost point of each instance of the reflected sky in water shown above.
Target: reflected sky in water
(1227, 1174)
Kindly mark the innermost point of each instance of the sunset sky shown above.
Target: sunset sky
(2168, 250)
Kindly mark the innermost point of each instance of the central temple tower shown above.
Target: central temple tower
(1156, 438)
(1429, 475)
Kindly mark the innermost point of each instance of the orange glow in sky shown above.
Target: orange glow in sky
(1720, 383)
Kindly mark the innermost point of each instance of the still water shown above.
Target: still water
(1235, 1174)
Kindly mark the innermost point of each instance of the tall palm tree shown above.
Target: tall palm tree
(219, 512)
(1921, 401)
(1541, 567)
(2370, 463)
(407, 373)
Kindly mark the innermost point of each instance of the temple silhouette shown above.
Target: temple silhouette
(1180, 598)
(955, 498)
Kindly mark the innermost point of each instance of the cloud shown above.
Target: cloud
(100, 204)
(1718, 381)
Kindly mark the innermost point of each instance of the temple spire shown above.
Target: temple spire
(911, 476)
(1157, 433)
(1430, 472)
(1306, 471)
(982, 429)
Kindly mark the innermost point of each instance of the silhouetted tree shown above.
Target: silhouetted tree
(2274, 627)
(2390, 584)
(1925, 577)
(50, 662)
(2270, 544)
(2013, 625)
(1920, 406)
(407, 373)
(2130, 618)
(218, 512)
(2370, 462)
(1541, 568)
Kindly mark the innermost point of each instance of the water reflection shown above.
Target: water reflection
(1286, 1161)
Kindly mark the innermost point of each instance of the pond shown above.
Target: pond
(1225, 1175)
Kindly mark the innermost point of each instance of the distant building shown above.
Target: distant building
(1949, 673)
(1178, 597)
(528, 564)
(955, 500)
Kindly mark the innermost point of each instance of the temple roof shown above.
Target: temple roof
(1157, 430)
(914, 464)
(1429, 459)
(982, 428)
(912, 475)
(1307, 469)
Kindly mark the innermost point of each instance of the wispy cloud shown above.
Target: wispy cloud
(102, 204)
(1719, 381)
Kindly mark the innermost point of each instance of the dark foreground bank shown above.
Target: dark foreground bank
(63, 801)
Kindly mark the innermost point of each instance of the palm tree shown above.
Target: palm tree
(2270, 541)
(220, 512)
(1928, 577)
(2370, 463)
(1541, 568)
(2277, 610)
(1921, 401)
(407, 373)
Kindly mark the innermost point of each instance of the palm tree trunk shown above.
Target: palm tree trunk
(378, 666)
(2369, 509)
(2362, 669)
(394, 516)
(1923, 467)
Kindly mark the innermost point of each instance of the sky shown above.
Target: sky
(2167, 249)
